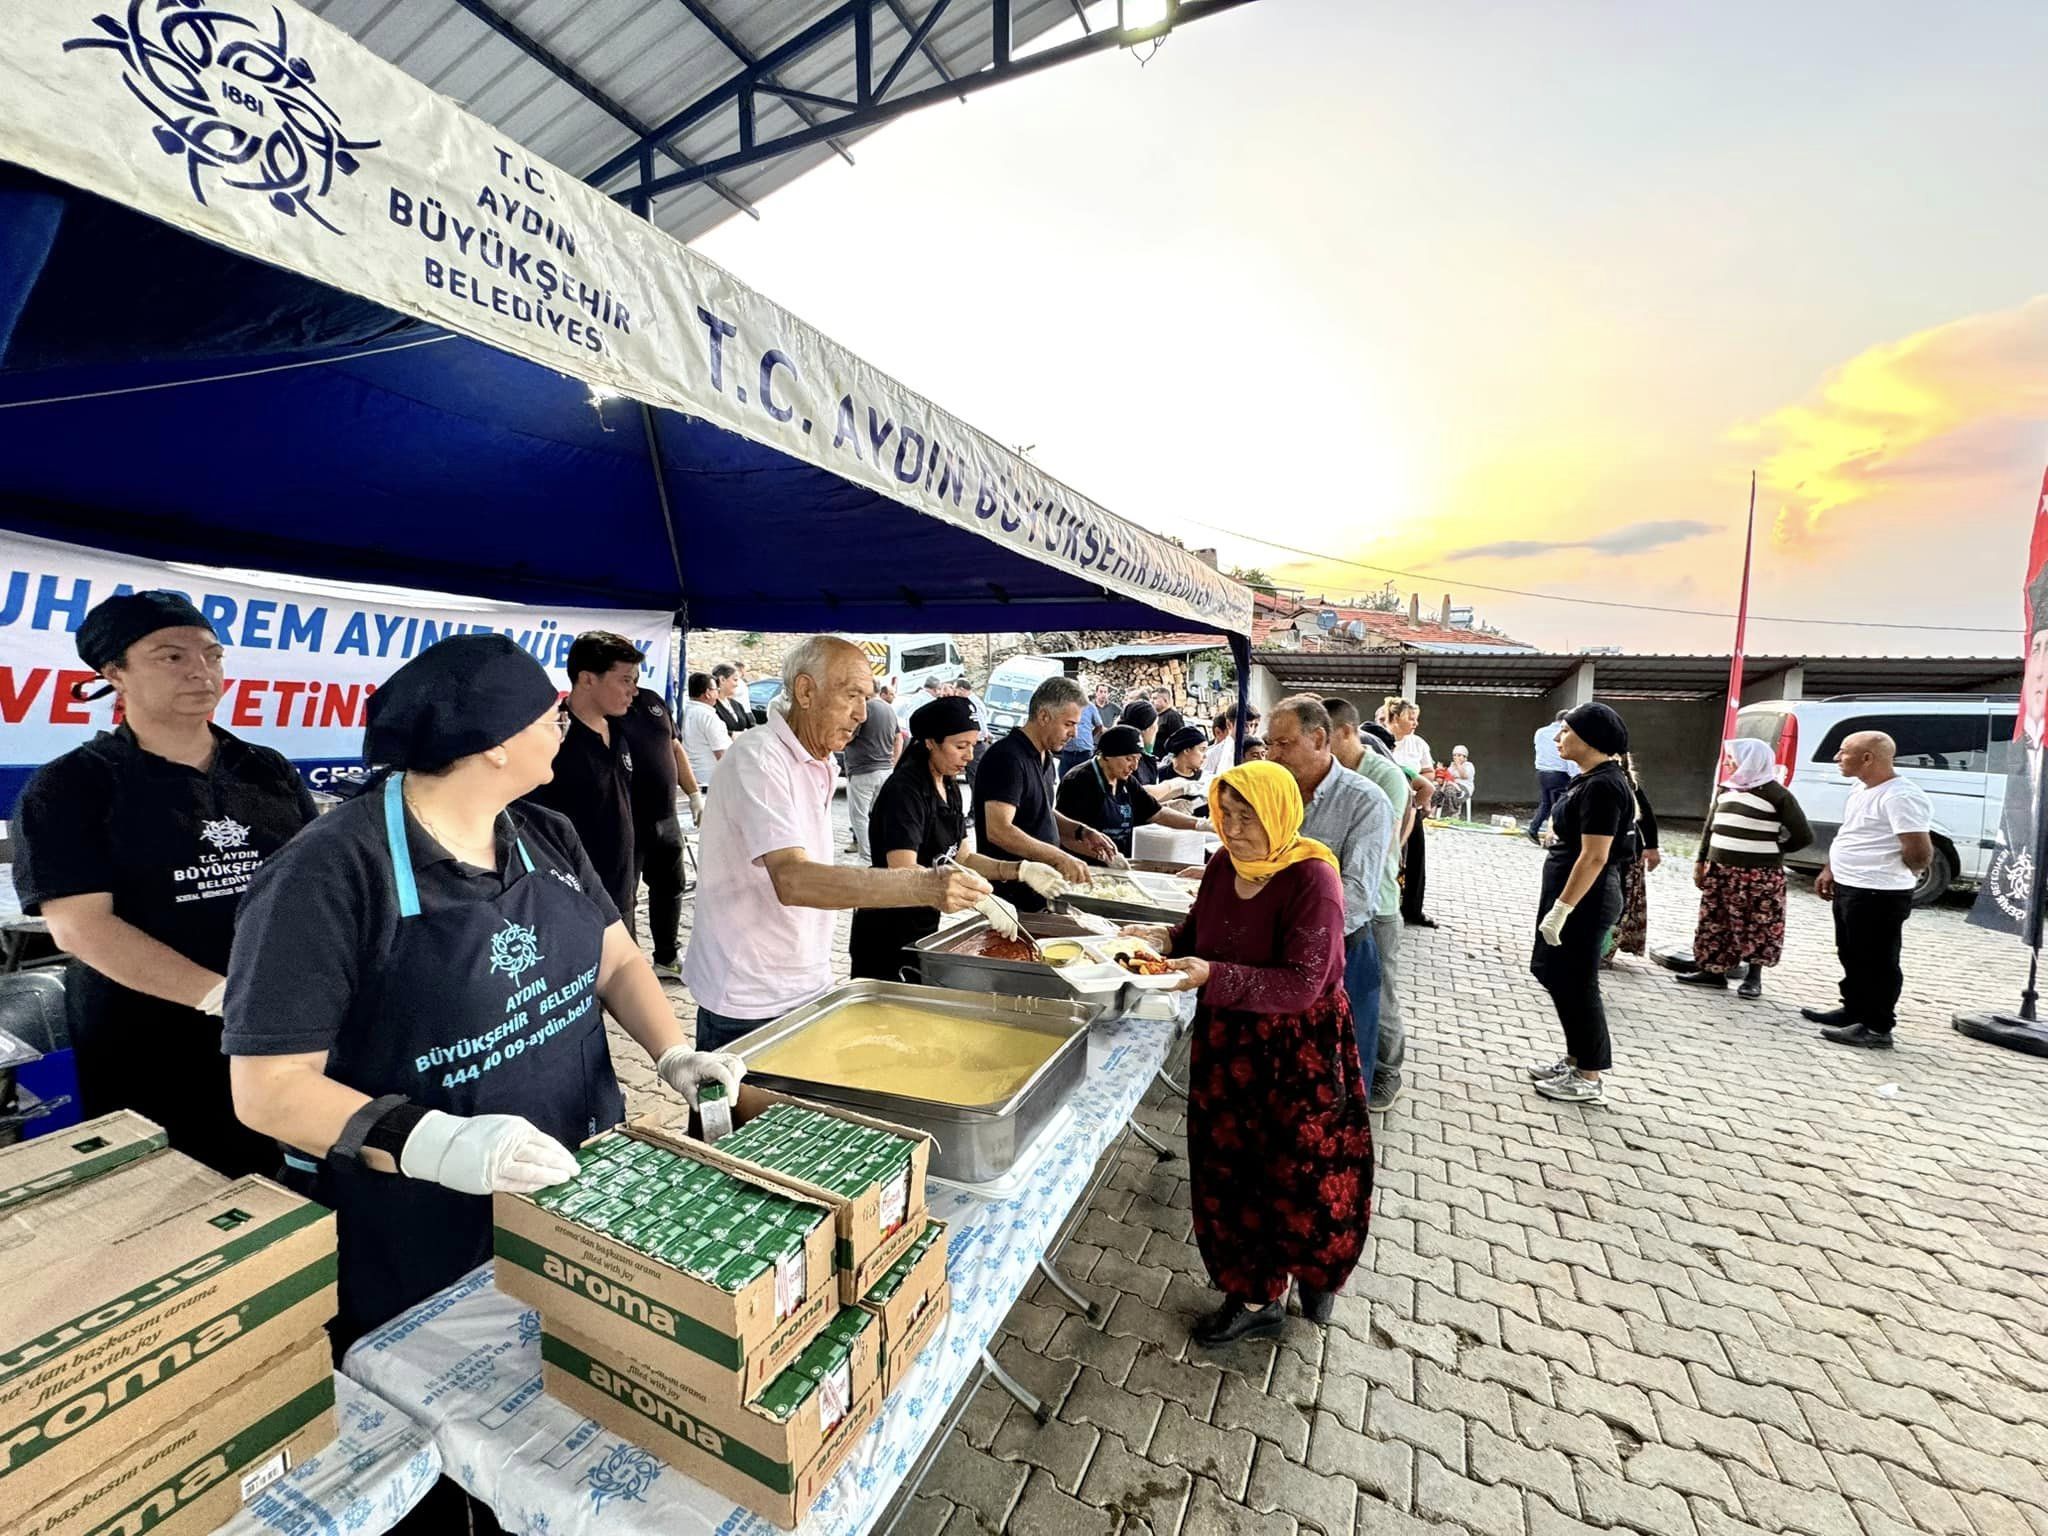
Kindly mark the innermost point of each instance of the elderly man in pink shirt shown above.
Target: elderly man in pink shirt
(761, 939)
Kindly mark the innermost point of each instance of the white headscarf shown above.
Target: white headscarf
(1755, 763)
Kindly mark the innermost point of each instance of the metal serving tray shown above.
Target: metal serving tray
(939, 964)
(975, 1143)
(1078, 898)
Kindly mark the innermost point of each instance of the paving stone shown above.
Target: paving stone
(1576, 1434)
(1607, 1499)
(1043, 1375)
(1112, 1355)
(1223, 1455)
(963, 1521)
(1995, 1515)
(2027, 1438)
(1599, 1290)
(984, 1415)
(1189, 1383)
(1132, 1416)
(981, 1483)
(1495, 1459)
(1969, 1470)
(1779, 1506)
(1530, 1375)
(1865, 1482)
(1472, 1321)
(1545, 1519)
(1384, 1468)
(1131, 1276)
(1429, 1342)
(1348, 1354)
(923, 1516)
(1441, 1433)
(1796, 1461)
(1760, 1365)
(1561, 1311)
(1487, 1508)
(1732, 1399)
(1045, 1510)
(1526, 1338)
(1059, 1449)
(1907, 1404)
(1499, 1291)
(1690, 1472)
(1123, 1481)
(1651, 1372)
(1211, 1514)
(1612, 1403)
(1838, 1430)
(1930, 1506)
(1322, 1503)
(1240, 1406)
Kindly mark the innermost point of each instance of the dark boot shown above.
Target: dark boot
(1753, 984)
(1832, 1017)
(1317, 1306)
(1860, 1035)
(1715, 979)
(1678, 962)
(1236, 1320)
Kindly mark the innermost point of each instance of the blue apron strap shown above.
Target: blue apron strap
(524, 857)
(401, 852)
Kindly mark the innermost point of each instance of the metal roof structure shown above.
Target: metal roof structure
(716, 103)
(1528, 673)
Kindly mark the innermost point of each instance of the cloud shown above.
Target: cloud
(1630, 539)
(1938, 417)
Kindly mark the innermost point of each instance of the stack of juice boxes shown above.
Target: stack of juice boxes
(740, 1310)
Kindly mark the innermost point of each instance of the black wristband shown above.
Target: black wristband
(382, 1123)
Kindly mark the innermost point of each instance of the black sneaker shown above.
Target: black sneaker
(1859, 1035)
(1317, 1306)
(1832, 1017)
(1702, 979)
(1386, 1088)
(1752, 985)
(1235, 1320)
(1678, 962)
(1419, 921)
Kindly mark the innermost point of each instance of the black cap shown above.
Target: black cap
(459, 696)
(1599, 728)
(1187, 736)
(1138, 713)
(118, 622)
(942, 718)
(1119, 741)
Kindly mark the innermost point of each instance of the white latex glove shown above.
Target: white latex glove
(216, 1000)
(686, 1070)
(696, 799)
(1552, 926)
(484, 1154)
(1042, 878)
(1002, 917)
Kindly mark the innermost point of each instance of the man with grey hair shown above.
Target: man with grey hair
(761, 942)
(1014, 791)
(1354, 819)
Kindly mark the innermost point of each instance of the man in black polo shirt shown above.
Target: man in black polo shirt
(1013, 797)
(660, 768)
(593, 778)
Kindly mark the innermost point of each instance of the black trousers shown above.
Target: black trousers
(661, 866)
(1570, 971)
(1551, 786)
(1414, 873)
(1870, 927)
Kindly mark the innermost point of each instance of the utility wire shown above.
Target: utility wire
(1461, 583)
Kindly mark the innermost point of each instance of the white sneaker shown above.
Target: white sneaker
(1557, 1068)
(1570, 1088)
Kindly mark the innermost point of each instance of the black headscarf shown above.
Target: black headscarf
(1139, 715)
(459, 696)
(1187, 736)
(118, 622)
(1119, 741)
(1599, 728)
(950, 716)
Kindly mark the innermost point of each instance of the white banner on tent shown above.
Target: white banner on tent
(302, 659)
(261, 127)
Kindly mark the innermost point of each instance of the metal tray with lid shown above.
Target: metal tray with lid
(976, 1142)
(940, 963)
(1169, 898)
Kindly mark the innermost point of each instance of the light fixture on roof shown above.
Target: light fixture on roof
(1143, 20)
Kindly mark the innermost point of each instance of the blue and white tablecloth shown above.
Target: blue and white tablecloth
(379, 1465)
(467, 1362)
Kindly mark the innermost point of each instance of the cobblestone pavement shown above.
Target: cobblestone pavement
(1771, 1285)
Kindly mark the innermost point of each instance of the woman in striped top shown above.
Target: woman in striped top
(1741, 870)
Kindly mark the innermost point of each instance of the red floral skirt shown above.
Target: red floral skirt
(1279, 1149)
(1742, 917)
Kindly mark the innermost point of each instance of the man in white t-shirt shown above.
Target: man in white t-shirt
(705, 737)
(1873, 865)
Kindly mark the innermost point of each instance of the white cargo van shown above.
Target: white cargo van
(1010, 688)
(910, 659)
(1957, 748)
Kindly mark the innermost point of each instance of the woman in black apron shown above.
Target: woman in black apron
(918, 820)
(414, 999)
(136, 848)
(1582, 898)
(1106, 794)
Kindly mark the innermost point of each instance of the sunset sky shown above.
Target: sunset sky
(1512, 295)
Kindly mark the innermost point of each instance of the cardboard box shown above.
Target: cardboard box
(133, 1287)
(723, 1345)
(777, 1470)
(913, 1315)
(191, 1476)
(866, 1247)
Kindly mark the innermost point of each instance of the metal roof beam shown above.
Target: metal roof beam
(591, 92)
(740, 89)
(708, 19)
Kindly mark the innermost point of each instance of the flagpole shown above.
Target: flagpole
(1741, 630)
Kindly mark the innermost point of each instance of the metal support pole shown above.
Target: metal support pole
(1033, 1404)
(1059, 1282)
(1166, 1153)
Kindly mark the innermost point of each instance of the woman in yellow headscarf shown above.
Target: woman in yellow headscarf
(1278, 1144)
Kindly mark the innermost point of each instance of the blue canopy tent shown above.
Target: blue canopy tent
(165, 397)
